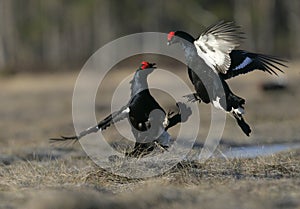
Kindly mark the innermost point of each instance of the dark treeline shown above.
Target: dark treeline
(56, 34)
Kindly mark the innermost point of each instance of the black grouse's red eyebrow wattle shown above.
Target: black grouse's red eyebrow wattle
(170, 35)
(145, 65)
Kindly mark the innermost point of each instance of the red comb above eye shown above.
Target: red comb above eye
(170, 35)
(145, 65)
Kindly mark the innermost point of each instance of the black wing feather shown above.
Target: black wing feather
(102, 125)
(261, 62)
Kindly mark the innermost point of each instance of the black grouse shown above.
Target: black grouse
(211, 59)
(147, 118)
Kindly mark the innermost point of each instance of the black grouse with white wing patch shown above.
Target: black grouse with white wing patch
(211, 59)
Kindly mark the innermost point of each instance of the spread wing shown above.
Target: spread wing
(243, 62)
(215, 44)
(102, 125)
(184, 112)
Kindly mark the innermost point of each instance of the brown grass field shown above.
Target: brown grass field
(35, 174)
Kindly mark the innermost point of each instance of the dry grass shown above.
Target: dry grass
(77, 183)
(34, 175)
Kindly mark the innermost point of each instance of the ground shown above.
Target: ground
(36, 174)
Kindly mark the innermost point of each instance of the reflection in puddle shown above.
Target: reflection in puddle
(255, 151)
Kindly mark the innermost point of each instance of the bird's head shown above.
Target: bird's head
(139, 80)
(172, 38)
(147, 66)
(179, 36)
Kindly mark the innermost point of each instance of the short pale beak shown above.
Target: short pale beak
(153, 65)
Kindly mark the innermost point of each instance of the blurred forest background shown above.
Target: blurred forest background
(55, 35)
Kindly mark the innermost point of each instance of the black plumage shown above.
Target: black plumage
(211, 59)
(147, 118)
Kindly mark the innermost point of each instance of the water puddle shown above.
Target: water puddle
(255, 151)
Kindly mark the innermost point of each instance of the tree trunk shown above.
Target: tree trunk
(2, 51)
(293, 8)
(8, 34)
(266, 34)
(242, 16)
